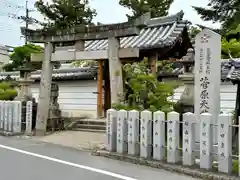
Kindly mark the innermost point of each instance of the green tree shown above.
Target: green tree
(62, 14)
(143, 91)
(225, 12)
(157, 8)
(193, 31)
(233, 34)
(84, 63)
(21, 55)
(231, 47)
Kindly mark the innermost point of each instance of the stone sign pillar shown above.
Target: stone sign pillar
(115, 70)
(45, 90)
(207, 77)
(29, 111)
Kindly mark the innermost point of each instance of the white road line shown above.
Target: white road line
(67, 163)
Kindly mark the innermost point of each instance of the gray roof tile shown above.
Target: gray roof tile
(86, 73)
(230, 70)
(160, 32)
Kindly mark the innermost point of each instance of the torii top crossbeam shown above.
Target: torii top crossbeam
(130, 28)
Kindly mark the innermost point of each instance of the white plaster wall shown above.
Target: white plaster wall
(227, 92)
(76, 98)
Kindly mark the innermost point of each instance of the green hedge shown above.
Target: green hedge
(7, 91)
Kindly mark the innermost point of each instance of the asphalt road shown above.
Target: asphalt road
(26, 159)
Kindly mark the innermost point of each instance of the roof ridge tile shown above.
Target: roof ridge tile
(164, 20)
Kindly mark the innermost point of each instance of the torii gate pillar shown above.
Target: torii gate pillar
(115, 70)
(45, 91)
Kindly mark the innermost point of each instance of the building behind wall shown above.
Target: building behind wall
(5, 55)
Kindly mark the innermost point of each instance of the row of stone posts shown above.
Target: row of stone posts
(142, 134)
(12, 118)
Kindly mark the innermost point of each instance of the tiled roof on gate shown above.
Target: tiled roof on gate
(83, 73)
(160, 32)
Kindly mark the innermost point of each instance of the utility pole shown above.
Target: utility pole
(27, 20)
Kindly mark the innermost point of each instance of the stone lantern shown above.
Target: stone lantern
(25, 82)
(186, 101)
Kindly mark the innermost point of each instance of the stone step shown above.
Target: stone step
(88, 124)
(92, 121)
(88, 130)
(91, 126)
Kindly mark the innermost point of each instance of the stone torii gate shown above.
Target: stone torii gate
(112, 32)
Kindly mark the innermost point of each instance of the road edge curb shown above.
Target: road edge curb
(197, 173)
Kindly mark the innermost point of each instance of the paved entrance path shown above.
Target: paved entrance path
(75, 139)
(28, 159)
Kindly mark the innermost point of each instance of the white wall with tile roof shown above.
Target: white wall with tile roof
(76, 98)
(228, 94)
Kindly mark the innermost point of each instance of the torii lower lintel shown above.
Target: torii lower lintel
(69, 56)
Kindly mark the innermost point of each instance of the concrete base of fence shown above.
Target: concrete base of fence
(194, 172)
(5, 133)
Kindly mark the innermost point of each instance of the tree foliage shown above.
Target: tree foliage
(21, 55)
(193, 31)
(157, 8)
(233, 34)
(62, 14)
(225, 12)
(84, 63)
(143, 91)
(232, 47)
(164, 66)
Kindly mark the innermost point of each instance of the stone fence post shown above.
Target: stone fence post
(206, 141)
(133, 133)
(159, 135)
(225, 143)
(188, 141)
(111, 130)
(146, 134)
(173, 137)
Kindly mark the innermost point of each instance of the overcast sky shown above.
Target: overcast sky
(108, 12)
